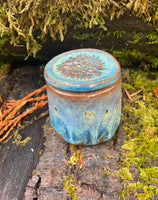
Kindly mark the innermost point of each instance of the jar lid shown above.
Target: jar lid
(82, 70)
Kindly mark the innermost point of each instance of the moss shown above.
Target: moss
(69, 181)
(153, 36)
(69, 185)
(74, 158)
(4, 68)
(3, 41)
(4, 48)
(136, 38)
(106, 172)
(33, 172)
(141, 145)
(127, 57)
(79, 35)
(117, 33)
(125, 174)
(18, 139)
(32, 21)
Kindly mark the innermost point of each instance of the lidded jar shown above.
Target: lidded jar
(84, 95)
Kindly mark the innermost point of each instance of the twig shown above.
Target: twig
(136, 93)
(17, 102)
(12, 117)
(15, 121)
(156, 92)
(155, 98)
(127, 93)
(26, 125)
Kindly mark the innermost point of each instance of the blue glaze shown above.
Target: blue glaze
(82, 70)
(87, 119)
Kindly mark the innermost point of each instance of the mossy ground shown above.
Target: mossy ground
(138, 164)
(140, 125)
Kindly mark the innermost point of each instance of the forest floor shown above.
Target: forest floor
(48, 168)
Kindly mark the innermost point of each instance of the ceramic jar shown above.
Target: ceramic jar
(84, 95)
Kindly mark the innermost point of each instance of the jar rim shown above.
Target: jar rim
(84, 95)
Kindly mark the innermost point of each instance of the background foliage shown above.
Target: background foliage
(29, 22)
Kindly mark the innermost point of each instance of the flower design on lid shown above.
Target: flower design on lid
(81, 67)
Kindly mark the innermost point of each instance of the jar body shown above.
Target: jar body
(85, 118)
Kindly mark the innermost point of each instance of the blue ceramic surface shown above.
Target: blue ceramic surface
(84, 105)
(82, 70)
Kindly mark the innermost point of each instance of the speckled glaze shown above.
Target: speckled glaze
(84, 94)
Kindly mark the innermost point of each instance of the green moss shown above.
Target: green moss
(153, 36)
(79, 35)
(125, 174)
(18, 140)
(136, 38)
(106, 172)
(3, 40)
(140, 147)
(153, 60)
(127, 57)
(68, 182)
(117, 33)
(23, 55)
(140, 126)
(4, 68)
(32, 21)
(74, 158)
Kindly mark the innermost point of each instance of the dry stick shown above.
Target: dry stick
(17, 119)
(14, 112)
(155, 98)
(32, 93)
(8, 111)
(8, 132)
(22, 127)
(43, 97)
(29, 100)
(35, 92)
(13, 104)
(156, 92)
(21, 100)
(136, 93)
(127, 93)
